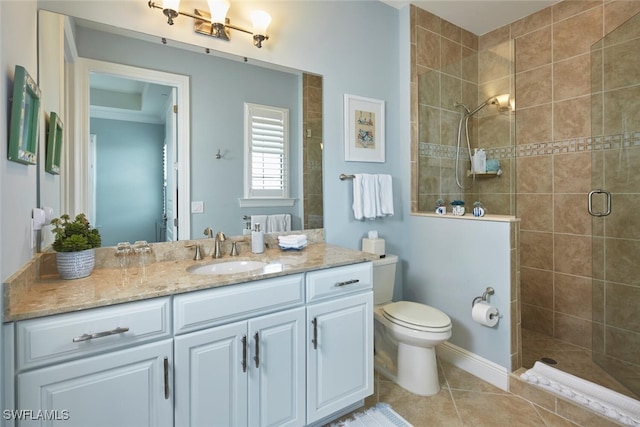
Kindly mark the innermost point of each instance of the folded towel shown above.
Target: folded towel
(293, 239)
(372, 196)
(278, 222)
(365, 196)
(386, 195)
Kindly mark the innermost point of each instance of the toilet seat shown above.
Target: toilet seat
(417, 316)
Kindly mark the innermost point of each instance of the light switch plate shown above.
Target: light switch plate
(197, 207)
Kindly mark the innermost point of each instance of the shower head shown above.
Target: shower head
(502, 101)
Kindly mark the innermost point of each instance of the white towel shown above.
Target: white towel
(259, 219)
(293, 239)
(372, 196)
(386, 195)
(278, 222)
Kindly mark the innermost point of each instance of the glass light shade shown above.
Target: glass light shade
(261, 21)
(171, 4)
(218, 10)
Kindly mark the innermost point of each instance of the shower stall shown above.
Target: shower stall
(614, 203)
(588, 307)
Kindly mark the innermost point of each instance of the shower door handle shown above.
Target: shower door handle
(599, 214)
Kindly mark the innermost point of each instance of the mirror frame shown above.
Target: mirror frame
(79, 155)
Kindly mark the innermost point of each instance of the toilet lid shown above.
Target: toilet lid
(417, 315)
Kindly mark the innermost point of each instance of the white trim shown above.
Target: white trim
(476, 365)
(264, 203)
(80, 173)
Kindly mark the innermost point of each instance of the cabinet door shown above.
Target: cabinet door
(339, 354)
(277, 369)
(120, 388)
(211, 381)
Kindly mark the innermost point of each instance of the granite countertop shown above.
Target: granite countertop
(42, 295)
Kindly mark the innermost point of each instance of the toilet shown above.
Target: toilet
(406, 334)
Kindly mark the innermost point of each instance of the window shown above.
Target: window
(266, 156)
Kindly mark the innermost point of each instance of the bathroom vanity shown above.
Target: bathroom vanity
(289, 344)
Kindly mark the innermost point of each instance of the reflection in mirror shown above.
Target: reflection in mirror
(219, 87)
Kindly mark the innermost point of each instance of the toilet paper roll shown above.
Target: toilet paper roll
(484, 314)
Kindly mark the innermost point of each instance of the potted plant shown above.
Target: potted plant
(75, 244)
(441, 209)
(478, 210)
(458, 207)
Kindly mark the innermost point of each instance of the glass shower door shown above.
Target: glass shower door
(615, 203)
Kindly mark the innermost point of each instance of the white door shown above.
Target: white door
(277, 369)
(211, 382)
(339, 354)
(171, 162)
(122, 388)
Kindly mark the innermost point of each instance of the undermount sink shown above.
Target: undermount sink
(227, 267)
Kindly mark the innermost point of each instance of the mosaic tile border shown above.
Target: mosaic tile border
(577, 145)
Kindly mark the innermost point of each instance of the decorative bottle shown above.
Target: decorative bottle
(257, 240)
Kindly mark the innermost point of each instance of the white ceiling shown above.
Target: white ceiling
(478, 16)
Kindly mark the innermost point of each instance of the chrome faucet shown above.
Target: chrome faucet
(208, 232)
(217, 252)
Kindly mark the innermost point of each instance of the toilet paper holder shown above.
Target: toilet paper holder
(484, 297)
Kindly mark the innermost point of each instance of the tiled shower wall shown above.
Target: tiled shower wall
(553, 88)
(553, 152)
(312, 150)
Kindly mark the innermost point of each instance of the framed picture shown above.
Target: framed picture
(54, 144)
(363, 129)
(25, 114)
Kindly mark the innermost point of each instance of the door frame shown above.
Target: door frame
(78, 200)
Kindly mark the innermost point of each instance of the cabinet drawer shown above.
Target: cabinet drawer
(203, 309)
(68, 336)
(337, 281)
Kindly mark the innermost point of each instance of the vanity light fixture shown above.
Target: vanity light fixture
(215, 22)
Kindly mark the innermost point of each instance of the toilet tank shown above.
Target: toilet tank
(384, 277)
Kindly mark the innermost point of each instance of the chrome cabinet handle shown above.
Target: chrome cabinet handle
(590, 205)
(87, 337)
(257, 356)
(348, 282)
(314, 341)
(244, 353)
(166, 378)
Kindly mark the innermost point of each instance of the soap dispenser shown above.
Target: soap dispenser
(257, 240)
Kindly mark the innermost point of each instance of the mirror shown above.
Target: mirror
(219, 87)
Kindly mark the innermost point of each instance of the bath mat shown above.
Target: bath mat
(609, 403)
(380, 415)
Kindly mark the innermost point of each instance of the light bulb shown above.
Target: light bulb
(171, 4)
(261, 21)
(218, 10)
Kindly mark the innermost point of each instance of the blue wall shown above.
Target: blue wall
(129, 180)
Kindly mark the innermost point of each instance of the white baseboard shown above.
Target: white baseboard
(476, 365)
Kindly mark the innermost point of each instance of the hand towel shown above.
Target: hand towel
(259, 219)
(365, 196)
(278, 223)
(385, 194)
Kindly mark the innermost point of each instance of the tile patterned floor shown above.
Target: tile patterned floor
(464, 400)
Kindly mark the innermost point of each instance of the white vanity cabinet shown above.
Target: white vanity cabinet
(339, 338)
(246, 372)
(101, 367)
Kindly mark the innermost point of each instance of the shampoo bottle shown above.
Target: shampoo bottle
(257, 240)
(479, 161)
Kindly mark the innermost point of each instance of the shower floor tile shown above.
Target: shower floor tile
(571, 359)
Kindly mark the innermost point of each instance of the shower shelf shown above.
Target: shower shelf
(484, 174)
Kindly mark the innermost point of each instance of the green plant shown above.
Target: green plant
(76, 235)
(457, 203)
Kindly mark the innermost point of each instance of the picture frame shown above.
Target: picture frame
(54, 144)
(25, 116)
(364, 138)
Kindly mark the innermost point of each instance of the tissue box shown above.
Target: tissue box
(374, 246)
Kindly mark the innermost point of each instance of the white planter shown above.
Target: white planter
(74, 265)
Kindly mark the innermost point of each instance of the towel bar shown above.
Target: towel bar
(343, 177)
